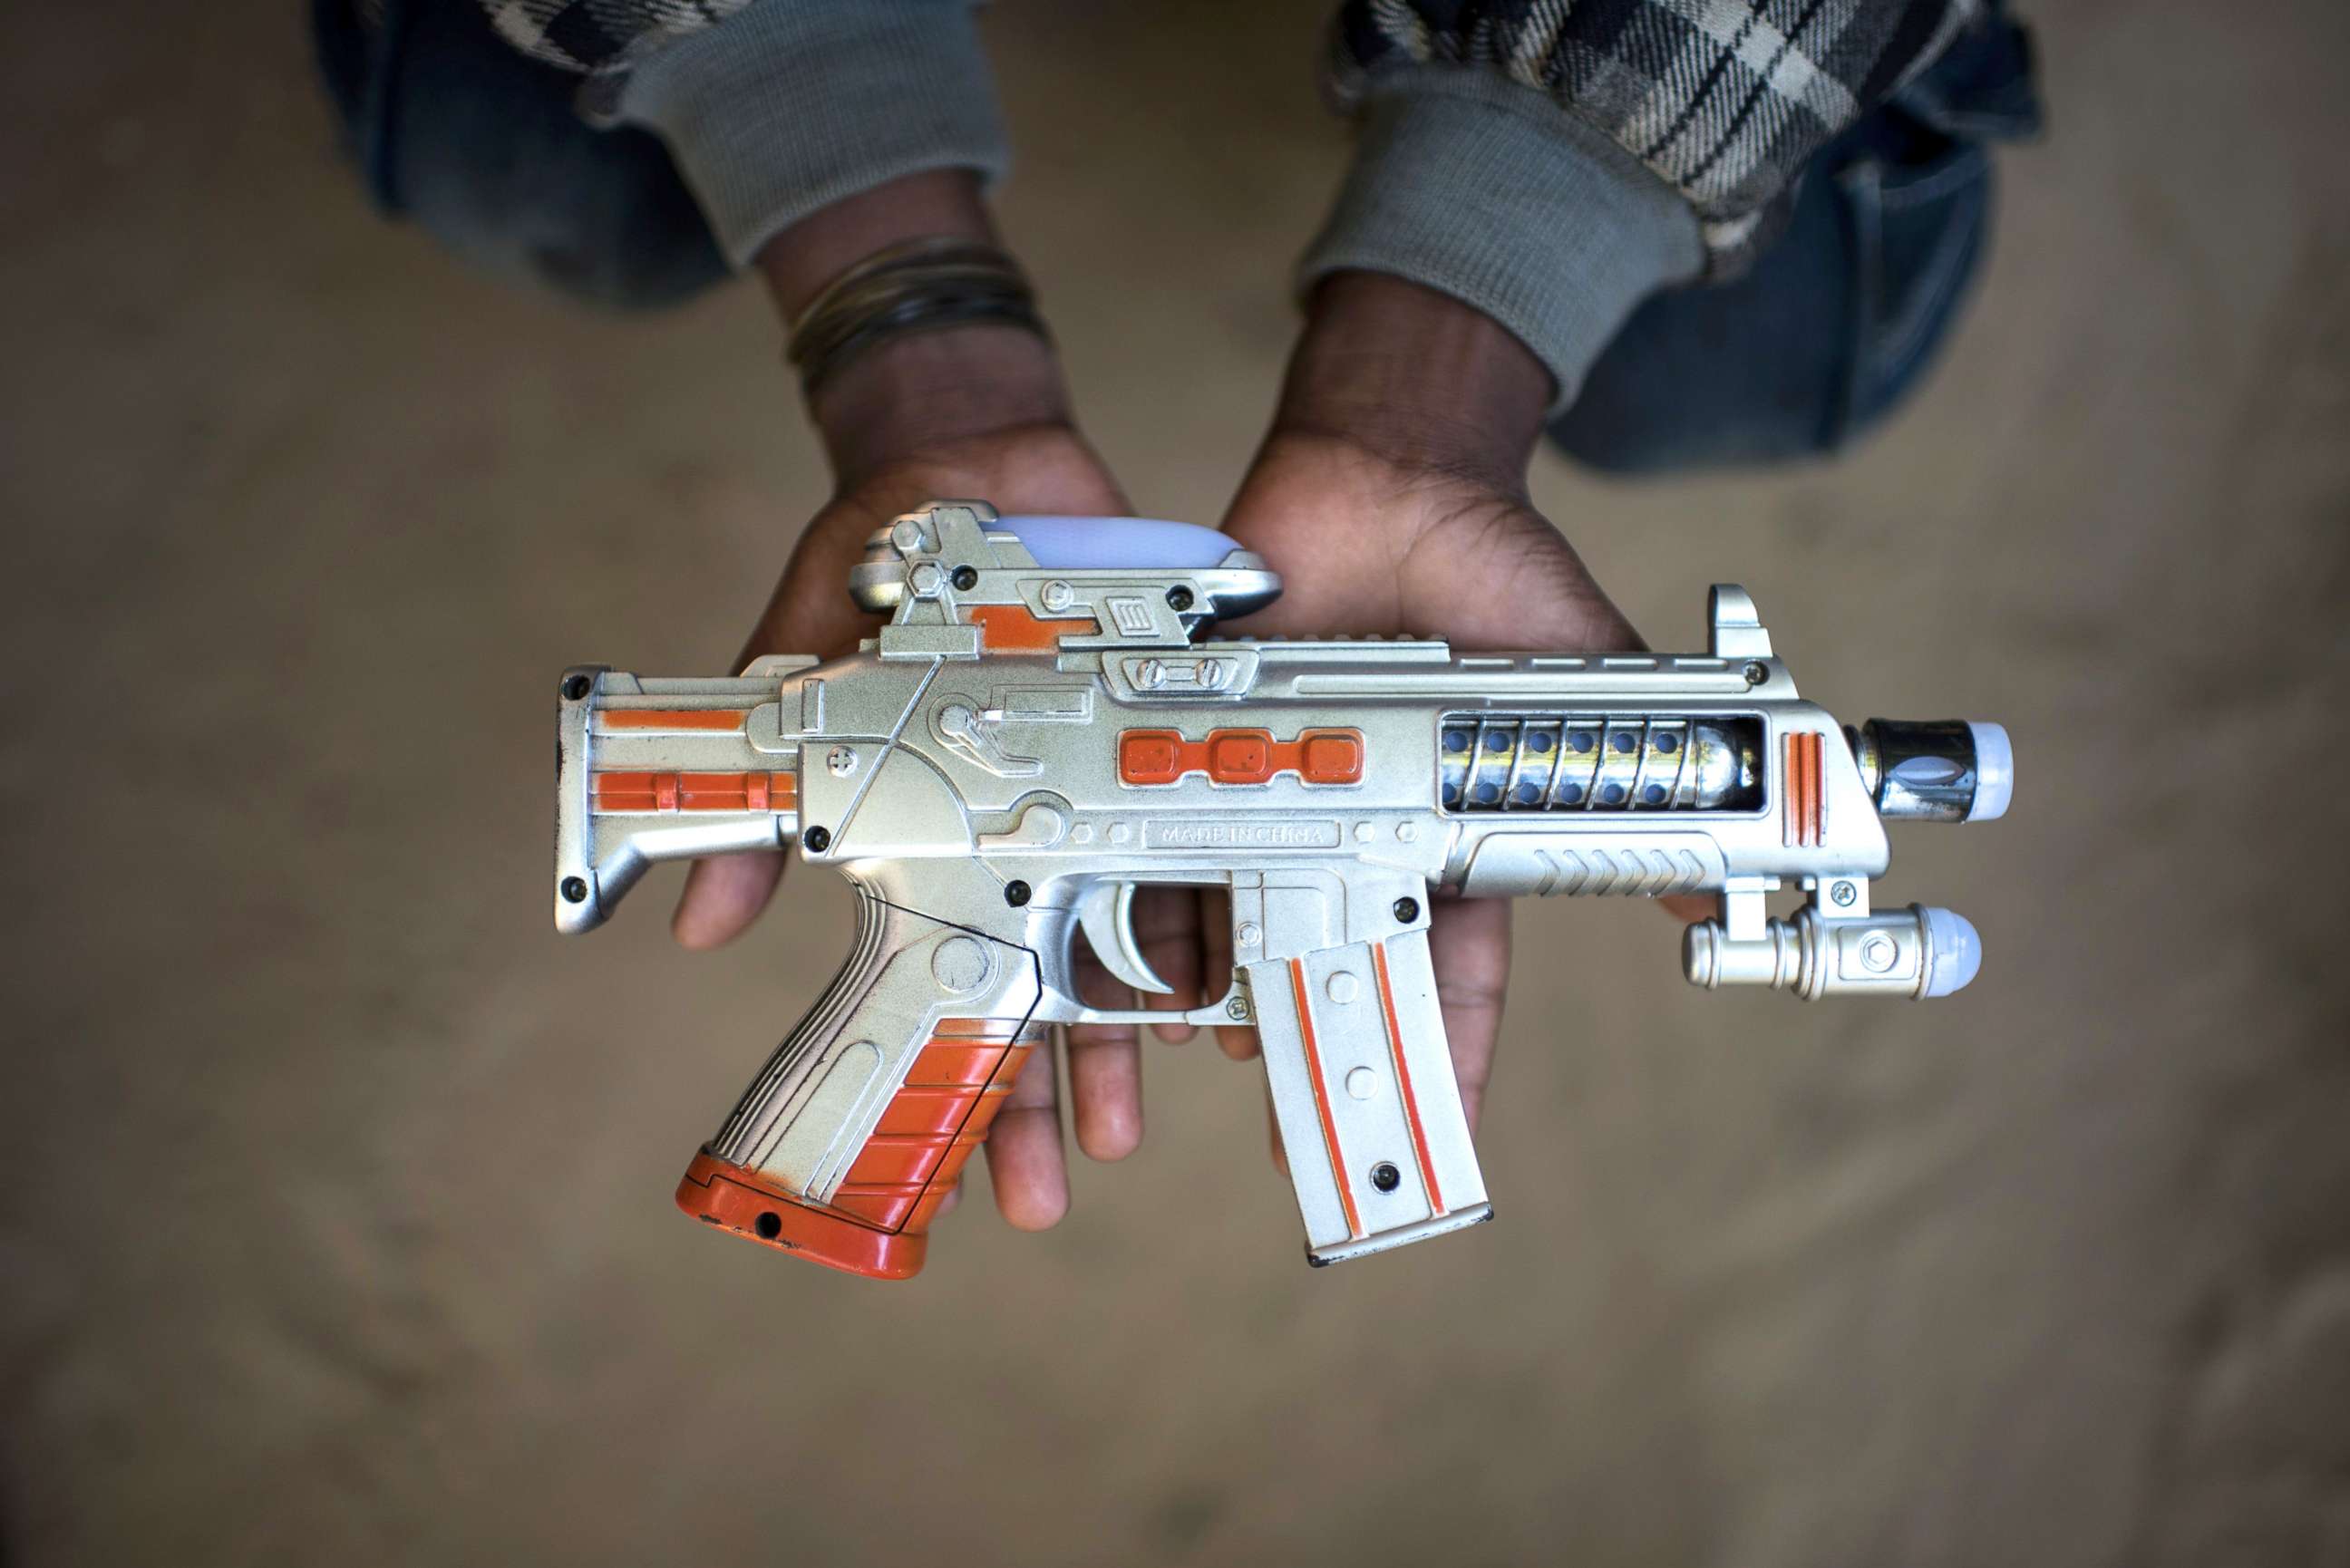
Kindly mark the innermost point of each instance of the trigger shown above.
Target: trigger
(1107, 913)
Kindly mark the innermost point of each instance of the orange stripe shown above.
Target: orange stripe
(1803, 767)
(1812, 787)
(1322, 1100)
(969, 1062)
(620, 790)
(1010, 629)
(1403, 1080)
(1819, 790)
(1804, 807)
(1804, 789)
(672, 718)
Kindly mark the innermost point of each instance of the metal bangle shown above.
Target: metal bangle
(921, 286)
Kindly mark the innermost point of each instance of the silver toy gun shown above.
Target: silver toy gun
(1041, 729)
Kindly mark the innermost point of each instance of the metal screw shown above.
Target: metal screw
(1407, 911)
(1756, 674)
(1236, 1008)
(965, 578)
(1015, 893)
(816, 840)
(574, 686)
(1056, 594)
(1878, 952)
(1179, 597)
(1843, 894)
(842, 761)
(1385, 1176)
(573, 890)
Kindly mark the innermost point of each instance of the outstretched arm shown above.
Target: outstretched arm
(1523, 180)
(816, 135)
(1391, 490)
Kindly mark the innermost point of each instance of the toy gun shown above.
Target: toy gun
(1041, 729)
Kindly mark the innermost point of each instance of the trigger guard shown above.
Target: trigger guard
(1106, 913)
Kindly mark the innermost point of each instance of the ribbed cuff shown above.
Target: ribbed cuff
(1487, 191)
(791, 105)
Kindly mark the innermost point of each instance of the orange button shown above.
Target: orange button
(1239, 756)
(1149, 757)
(1330, 756)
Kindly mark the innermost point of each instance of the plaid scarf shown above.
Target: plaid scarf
(1725, 100)
(596, 36)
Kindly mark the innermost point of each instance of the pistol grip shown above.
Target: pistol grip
(843, 1149)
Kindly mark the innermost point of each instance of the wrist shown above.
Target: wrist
(938, 203)
(1415, 378)
(919, 389)
(926, 390)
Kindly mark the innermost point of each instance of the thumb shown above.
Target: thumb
(723, 894)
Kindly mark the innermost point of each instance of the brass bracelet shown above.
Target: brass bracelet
(921, 286)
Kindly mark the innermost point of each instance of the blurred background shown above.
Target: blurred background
(337, 1188)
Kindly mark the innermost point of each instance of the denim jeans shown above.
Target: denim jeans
(1840, 319)
(462, 133)
(457, 131)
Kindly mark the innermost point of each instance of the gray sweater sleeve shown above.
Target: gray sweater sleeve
(1479, 188)
(1522, 154)
(790, 105)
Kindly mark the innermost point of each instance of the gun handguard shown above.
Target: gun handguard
(1041, 730)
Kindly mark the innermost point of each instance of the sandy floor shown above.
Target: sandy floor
(336, 1224)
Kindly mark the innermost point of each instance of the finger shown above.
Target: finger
(1105, 1065)
(947, 1204)
(1469, 944)
(1105, 1088)
(1024, 1161)
(723, 894)
(1690, 907)
(1166, 928)
(1234, 1039)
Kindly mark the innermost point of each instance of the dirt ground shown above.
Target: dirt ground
(336, 1224)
